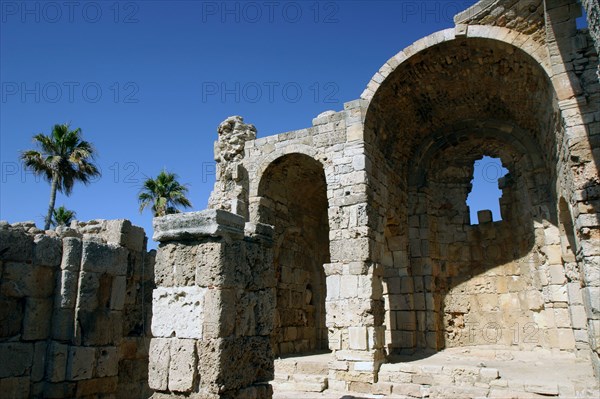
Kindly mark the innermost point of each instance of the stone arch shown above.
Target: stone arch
(435, 108)
(293, 198)
(521, 41)
(268, 159)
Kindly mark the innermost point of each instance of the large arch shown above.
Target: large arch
(292, 196)
(434, 109)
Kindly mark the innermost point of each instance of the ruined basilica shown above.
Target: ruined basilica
(341, 258)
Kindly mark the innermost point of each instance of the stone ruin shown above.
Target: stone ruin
(341, 257)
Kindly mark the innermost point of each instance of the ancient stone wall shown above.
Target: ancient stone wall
(74, 311)
(592, 9)
(212, 308)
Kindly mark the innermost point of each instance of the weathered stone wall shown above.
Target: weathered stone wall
(294, 199)
(592, 9)
(212, 308)
(74, 317)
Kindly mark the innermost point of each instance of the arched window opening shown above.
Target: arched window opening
(485, 192)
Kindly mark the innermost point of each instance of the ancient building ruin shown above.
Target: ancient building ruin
(352, 240)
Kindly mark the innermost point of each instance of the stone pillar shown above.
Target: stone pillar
(212, 307)
(354, 304)
(231, 186)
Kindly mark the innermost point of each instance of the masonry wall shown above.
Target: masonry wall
(74, 316)
(212, 308)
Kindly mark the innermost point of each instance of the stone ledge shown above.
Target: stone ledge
(207, 223)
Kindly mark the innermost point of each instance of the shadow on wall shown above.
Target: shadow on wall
(440, 110)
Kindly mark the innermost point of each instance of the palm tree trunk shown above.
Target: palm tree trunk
(53, 187)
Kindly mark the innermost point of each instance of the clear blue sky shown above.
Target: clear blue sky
(149, 81)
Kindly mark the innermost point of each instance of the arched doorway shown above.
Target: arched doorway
(293, 198)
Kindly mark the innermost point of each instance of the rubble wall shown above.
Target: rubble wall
(74, 313)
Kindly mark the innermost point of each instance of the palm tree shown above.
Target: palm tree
(63, 159)
(164, 193)
(62, 216)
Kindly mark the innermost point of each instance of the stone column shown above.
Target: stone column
(212, 308)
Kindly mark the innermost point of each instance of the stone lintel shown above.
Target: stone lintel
(260, 231)
(195, 225)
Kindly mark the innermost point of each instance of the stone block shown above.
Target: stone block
(182, 365)
(100, 328)
(11, 316)
(122, 232)
(195, 225)
(357, 337)
(57, 362)
(21, 358)
(22, 279)
(118, 292)
(62, 324)
(103, 258)
(108, 362)
(484, 216)
(36, 322)
(97, 386)
(178, 312)
(159, 363)
(591, 298)
(59, 390)
(15, 245)
(39, 361)
(80, 363)
(66, 295)
(71, 254)
(15, 388)
(47, 251)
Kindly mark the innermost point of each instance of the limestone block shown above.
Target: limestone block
(357, 338)
(15, 388)
(39, 361)
(66, 295)
(558, 293)
(15, 245)
(591, 271)
(182, 365)
(11, 316)
(484, 216)
(122, 232)
(348, 286)
(47, 251)
(103, 258)
(36, 322)
(591, 297)
(178, 312)
(118, 292)
(578, 316)
(80, 363)
(22, 279)
(100, 327)
(159, 363)
(62, 324)
(60, 390)
(108, 361)
(557, 274)
(71, 254)
(97, 386)
(562, 318)
(190, 225)
(57, 362)
(333, 287)
(566, 339)
(89, 285)
(21, 358)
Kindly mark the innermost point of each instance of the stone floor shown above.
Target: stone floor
(453, 373)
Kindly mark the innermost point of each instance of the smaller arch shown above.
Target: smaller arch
(266, 161)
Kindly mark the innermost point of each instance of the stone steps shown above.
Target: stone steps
(300, 375)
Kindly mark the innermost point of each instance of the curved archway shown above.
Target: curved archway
(445, 103)
(293, 198)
